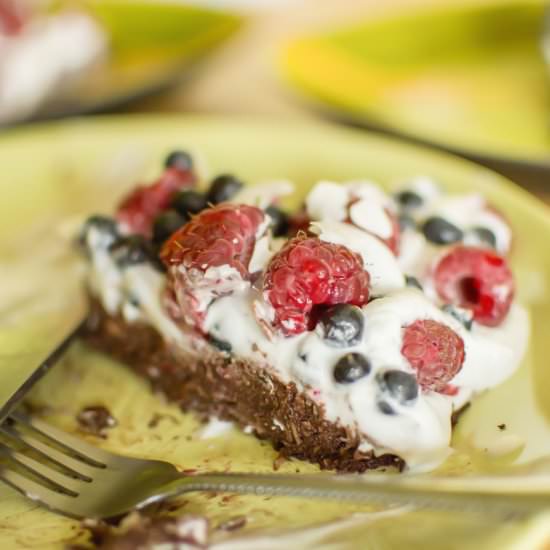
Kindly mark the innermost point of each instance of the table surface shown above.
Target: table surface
(240, 78)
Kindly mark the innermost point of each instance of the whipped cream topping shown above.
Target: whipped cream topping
(418, 430)
(363, 202)
(134, 291)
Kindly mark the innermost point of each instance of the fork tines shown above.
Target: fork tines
(39, 460)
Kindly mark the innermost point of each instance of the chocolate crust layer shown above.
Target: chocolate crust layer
(217, 384)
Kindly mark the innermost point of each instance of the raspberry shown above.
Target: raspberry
(138, 209)
(224, 235)
(477, 279)
(435, 351)
(307, 272)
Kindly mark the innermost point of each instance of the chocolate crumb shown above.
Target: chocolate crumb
(232, 524)
(279, 461)
(95, 420)
(158, 417)
(501, 427)
(139, 531)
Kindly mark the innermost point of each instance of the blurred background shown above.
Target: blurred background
(466, 76)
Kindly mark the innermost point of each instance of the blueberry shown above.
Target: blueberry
(385, 408)
(400, 385)
(485, 236)
(279, 221)
(413, 281)
(350, 368)
(440, 231)
(464, 316)
(167, 223)
(180, 160)
(133, 250)
(342, 325)
(223, 188)
(189, 202)
(106, 228)
(409, 200)
(221, 345)
(406, 222)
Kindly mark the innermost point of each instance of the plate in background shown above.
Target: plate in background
(82, 166)
(469, 78)
(153, 45)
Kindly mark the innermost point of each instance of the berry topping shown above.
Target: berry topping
(279, 221)
(413, 282)
(222, 235)
(342, 325)
(440, 231)
(223, 188)
(189, 202)
(400, 385)
(138, 210)
(105, 232)
(133, 250)
(476, 279)
(385, 408)
(485, 236)
(463, 316)
(307, 272)
(220, 345)
(167, 223)
(435, 351)
(180, 160)
(351, 368)
(406, 222)
(222, 238)
(409, 200)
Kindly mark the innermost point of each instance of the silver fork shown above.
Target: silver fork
(78, 480)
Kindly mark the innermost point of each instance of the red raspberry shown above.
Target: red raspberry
(222, 235)
(139, 209)
(435, 351)
(308, 272)
(477, 279)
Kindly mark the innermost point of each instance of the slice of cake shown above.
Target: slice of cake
(347, 334)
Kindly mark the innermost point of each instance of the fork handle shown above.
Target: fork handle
(447, 493)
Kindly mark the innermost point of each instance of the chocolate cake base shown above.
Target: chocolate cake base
(217, 384)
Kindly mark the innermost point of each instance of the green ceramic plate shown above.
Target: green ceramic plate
(469, 78)
(62, 171)
(153, 45)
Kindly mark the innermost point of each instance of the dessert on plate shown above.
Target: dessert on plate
(348, 333)
(42, 53)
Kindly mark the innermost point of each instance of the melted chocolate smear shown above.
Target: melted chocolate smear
(95, 420)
